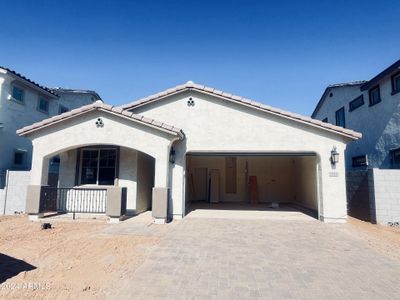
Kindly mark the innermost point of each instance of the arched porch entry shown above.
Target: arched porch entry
(126, 159)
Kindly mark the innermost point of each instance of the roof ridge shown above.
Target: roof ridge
(244, 101)
(355, 82)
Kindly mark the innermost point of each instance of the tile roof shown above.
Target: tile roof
(77, 91)
(98, 105)
(247, 102)
(50, 91)
(332, 86)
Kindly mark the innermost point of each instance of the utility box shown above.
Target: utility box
(160, 205)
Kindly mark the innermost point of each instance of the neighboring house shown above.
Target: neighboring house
(186, 144)
(23, 102)
(372, 108)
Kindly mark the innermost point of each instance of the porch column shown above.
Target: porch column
(177, 186)
(160, 193)
(39, 171)
(39, 174)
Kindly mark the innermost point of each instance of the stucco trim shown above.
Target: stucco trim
(243, 101)
(105, 108)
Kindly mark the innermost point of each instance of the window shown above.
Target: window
(395, 158)
(19, 157)
(396, 83)
(374, 96)
(340, 117)
(325, 120)
(43, 105)
(356, 103)
(359, 161)
(62, 109)
(98, 166)
(18, 93)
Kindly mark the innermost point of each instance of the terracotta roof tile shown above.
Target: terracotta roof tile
(103, 107)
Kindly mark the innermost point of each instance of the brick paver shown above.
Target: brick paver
(265, 259)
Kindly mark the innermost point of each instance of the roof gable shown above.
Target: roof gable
(332, 87)
(101, 107)
(242, 101)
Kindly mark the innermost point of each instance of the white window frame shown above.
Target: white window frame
(48, 105)
(98, 165)
(14, 85)
(23, 152)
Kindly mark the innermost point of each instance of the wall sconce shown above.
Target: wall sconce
(172, 155)
(334, 156)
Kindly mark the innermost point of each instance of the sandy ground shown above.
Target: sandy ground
(88, 259)
(383, 239)
(75, 259)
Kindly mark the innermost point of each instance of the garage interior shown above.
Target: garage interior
(252, 181)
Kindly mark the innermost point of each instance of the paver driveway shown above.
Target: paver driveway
(239, 259)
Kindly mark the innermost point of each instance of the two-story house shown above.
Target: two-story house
(373, 108)
(22, 102)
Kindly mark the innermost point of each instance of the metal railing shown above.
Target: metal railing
(73, 200)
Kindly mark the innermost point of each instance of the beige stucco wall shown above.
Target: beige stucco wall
(304, 181)
(145, 181)
(217, 125)
(79, 132)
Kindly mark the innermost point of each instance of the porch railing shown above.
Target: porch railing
(73, 200)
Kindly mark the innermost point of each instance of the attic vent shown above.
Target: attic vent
(190, 102)
(99, 123)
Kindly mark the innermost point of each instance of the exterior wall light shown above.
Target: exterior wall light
(334, 156)
(172, 155)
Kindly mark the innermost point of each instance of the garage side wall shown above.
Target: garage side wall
(305, 182)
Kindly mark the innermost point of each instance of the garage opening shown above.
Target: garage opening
(252, 181)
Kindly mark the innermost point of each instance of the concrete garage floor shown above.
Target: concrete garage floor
(203, 258)
(262, 211)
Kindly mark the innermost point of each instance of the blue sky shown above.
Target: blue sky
(283, 53)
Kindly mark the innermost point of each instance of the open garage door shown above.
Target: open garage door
(252, 180)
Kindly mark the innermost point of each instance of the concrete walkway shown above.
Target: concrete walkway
(266, 259)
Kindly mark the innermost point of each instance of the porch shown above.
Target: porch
(108, 201)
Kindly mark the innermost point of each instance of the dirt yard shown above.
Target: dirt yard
(88, 259)
(383, 239)
(73, 260)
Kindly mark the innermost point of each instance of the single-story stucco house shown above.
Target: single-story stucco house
(188, 143)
